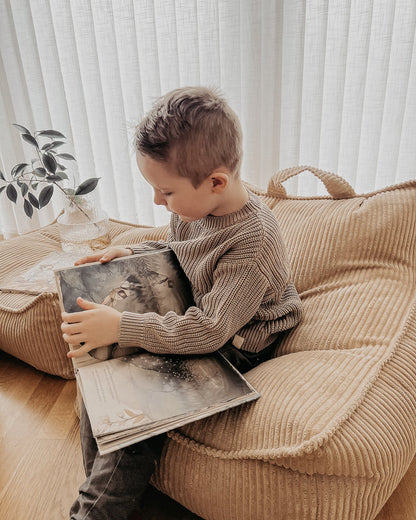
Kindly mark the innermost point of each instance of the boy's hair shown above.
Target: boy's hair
(193, 129)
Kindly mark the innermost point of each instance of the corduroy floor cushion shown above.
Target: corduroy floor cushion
(334, 430)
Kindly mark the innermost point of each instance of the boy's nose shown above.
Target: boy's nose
(159, 199)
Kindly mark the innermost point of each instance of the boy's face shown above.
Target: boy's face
(177, 193)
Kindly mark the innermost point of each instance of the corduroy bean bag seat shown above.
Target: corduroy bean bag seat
(334, 430)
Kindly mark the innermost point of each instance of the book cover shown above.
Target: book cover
(132, 394)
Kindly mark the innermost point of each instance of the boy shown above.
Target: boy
(189, 149)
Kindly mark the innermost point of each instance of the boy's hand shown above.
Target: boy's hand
(105, 256)
(97, 326)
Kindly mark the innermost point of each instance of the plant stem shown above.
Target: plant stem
(72, 201)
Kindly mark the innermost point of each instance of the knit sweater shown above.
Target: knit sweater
(239, 273)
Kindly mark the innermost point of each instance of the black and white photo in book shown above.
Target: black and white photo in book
(131, 394)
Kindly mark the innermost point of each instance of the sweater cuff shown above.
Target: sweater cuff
(139, 248)
(131, 332)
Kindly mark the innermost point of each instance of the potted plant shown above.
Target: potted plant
(81, 222)
(35, 183)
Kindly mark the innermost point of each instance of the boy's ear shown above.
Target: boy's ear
(219, 181)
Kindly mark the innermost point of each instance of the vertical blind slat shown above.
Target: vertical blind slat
(250, 84)
(312, 92)
(269, 100)
(187, 31)
(353, 101)
(403, 34)
(117, 175)
(334, 85)
(208, 45)
(292, 75)
(406, 163)
(374, 95)
(37, 114)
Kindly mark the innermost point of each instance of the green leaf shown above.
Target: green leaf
(66, 156)
(87, 186)
(2, 176)
(2, 188)
(11, 193)
(18, 169)
(53, 178)
(62, 167)
(51, 146)
(49, 162)
(23, 129)
(33, 200)
(69, 191)
(30, 139)
(62, 175)
(24, 189)
(40, 172)
(51, 133)
(28, 208)
(45, 195)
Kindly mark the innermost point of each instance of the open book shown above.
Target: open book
(131, 394)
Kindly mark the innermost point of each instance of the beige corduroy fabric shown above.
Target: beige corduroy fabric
(334, 431)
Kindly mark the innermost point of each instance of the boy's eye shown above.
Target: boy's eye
(167, 194)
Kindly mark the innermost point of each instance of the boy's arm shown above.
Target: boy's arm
(234, 299)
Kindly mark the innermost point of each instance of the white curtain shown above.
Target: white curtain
(330, 83)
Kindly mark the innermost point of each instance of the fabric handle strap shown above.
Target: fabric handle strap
(336, 186)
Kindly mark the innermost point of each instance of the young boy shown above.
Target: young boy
(189, 149)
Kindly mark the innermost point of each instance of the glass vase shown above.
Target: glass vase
(83, 226)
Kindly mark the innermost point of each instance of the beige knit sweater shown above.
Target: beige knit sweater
(240, 277)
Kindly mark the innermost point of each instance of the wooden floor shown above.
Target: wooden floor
(40, 458)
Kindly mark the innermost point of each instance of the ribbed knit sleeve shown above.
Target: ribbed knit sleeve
(149, 244)
(152, 244)
(234, 299)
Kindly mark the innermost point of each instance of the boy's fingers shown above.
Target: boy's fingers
(84, 349)
(71, 317)
(89, 258)
(107, 257)
(86, 304)
(76, 317)
(73, 339)
(115, 252)
(70, 328)
(104, 256)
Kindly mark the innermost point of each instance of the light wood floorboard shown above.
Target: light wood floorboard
(40, 456)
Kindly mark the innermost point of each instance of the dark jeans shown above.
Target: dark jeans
(116, 481)
(244, 360)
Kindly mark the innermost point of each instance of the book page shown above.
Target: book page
(142, 390)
